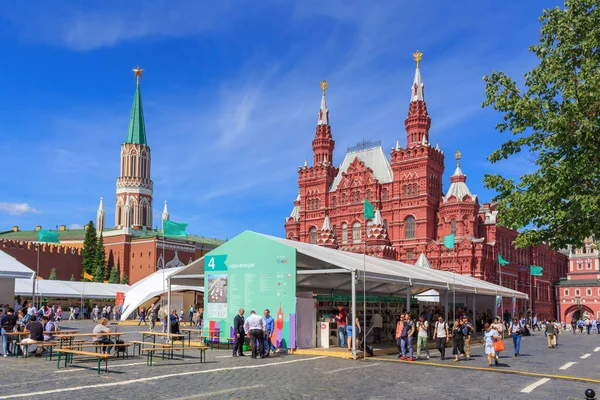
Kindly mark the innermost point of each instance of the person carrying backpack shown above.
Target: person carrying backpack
(7, 323)
(467, 330)
(440, 335)
(516, 330)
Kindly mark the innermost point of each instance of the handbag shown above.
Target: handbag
(498, 345)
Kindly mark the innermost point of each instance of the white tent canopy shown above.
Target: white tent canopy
(11, 268)
(327, 270)
(149, 287)
(69, 289)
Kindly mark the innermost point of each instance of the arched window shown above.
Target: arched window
(384, 194)
(385, 224)
(317, 204)
(334, 202)
(409, 190)
(344, 198)
(453, 224)
(312, 235)
(415, 189)
(577, 293)
(344, 233)
(134, 166)
(144, 215)
(588, 292)
(368, 195)
(334, 231)
(404, 191)
(356, 232)
(409, 227)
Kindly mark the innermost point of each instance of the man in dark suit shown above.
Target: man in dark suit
(238, 331)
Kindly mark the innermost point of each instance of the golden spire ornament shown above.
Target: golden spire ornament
(137, 72)
(324, 85)
(418, 56)
(457, 157)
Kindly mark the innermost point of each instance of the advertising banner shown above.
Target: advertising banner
(119, 300)
(254, 273)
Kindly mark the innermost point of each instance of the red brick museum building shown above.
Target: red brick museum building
(414, 213)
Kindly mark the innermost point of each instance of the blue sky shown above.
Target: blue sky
(231, 95)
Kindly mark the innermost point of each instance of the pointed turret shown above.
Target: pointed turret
(326, 236)
(100, 217)
(165, 214)
(323, 111)
(136, 134)
(378, 241)
(418, 122)
(323, 144)
(458, 188)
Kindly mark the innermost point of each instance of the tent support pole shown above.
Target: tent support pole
(408, 299)
(446, 305)
(474, 315)
(169, 305)
(353, 308)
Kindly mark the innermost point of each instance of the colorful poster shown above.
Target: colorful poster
(252, 272)
(119, 300)
(498, 304)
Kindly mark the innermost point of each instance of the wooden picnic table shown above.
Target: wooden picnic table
(70, 336)
(173, 336)
(212, 333)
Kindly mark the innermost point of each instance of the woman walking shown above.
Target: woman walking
(458, 340)
(489, 337)
(498, 326)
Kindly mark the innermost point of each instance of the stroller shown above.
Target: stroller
(361, 345)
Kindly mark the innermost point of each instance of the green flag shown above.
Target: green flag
(47, 236)
(534, 270)
(449, 241)
(369, 210)
(171, 228)
(501, 260)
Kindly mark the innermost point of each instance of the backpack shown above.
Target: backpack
(9, 322)
(465, 330)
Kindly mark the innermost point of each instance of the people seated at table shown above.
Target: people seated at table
(36, 334)
(101, 328)
(49, 328)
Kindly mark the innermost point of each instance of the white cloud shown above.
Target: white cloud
(75, 226)
(105, 24)
(17, 208)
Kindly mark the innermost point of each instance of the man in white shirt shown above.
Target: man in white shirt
(440, 335)
(255, 326)
(377, 323)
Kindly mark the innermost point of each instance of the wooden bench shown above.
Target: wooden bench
(139, 344)
(50, 346)
(150, 352)
(70, 352)
(97, 345)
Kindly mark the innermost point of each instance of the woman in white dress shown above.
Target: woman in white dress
(499, 327)
(489, 337)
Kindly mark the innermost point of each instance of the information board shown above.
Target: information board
(251, 272)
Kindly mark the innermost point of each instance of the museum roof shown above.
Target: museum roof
(373, 158)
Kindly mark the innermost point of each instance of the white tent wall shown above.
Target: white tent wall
(7, 292)
(306, 322)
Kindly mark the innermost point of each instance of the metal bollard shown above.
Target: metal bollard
(590, 394)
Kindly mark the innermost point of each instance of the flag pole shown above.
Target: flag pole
(364, 295)
(37, 273)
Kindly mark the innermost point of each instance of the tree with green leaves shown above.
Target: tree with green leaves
(556, 119)
(124, 279)
(101, 257)
(110, 264)
(52, 276)
(114, 275)
(88, 253)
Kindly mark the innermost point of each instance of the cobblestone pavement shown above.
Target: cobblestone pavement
(311, 377)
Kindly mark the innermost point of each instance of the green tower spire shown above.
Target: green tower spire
(136, 133)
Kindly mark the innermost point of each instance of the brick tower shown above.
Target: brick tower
(134, 186)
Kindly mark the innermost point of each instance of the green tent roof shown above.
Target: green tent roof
(136, 133)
